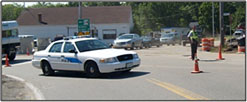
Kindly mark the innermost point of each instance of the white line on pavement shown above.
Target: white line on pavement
(37, 93)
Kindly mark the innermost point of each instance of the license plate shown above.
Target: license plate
(128, 65)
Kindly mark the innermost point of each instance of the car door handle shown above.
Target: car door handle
(49, 55)
(62, 55)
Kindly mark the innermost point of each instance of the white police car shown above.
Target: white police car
(84, 54)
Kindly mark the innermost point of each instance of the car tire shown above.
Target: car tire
(168, 44)
(92, 69)
(132, 46)
(46, 69)
(184, 44)
(150, 45)
(141, 46)
(12, 55)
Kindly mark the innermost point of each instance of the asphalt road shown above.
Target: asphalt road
(164, 74)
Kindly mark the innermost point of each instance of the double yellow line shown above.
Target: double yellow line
(178, 90)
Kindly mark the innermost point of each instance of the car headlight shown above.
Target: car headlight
(108, 60)
(135, 56)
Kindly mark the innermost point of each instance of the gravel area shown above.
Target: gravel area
(15, 90)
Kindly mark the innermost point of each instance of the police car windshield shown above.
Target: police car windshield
(89, 45)
(126, 37)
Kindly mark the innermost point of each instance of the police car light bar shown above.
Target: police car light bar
(75, 37)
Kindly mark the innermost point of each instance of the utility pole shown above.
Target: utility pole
(24, 5)
(222, 24)
(213, 19)
(230, 23)
(79, 17)
(80, 10)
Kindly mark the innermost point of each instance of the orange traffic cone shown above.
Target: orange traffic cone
(220, 54)
(7, 61)
(28, 52)
(196, 67)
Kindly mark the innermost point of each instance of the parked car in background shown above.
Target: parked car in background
(84, 54)
(238, 33)
(185, 39)
(148, 42)
(128, 41)
(169, 39)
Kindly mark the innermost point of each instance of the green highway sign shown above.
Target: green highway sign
(83, 25)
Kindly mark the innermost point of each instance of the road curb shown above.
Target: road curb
(37, 93)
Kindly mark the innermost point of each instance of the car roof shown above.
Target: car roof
(75, 40)
(238, 31)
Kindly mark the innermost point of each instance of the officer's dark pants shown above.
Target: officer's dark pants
(194, 44)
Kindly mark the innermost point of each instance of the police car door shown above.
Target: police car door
(54, 55)
(69, 59)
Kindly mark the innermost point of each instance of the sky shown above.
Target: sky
(30, 3)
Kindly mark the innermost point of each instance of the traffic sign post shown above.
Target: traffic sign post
(83, 26)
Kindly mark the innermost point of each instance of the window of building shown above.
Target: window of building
(10, 33)
(109, 34)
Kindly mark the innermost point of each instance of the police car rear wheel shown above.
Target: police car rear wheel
(92, 70)
(46, 68)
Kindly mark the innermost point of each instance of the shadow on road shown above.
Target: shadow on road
(16, 61)
(186, 55)
(122, 75)
(209, 60)
(114, 75)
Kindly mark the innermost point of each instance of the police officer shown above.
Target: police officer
(193, 37)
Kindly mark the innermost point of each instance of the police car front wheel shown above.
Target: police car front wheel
(92, 70)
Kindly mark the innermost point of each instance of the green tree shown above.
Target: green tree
(86, 4)
(47, 5)
(11, 11)
(238, 16)
(205, 17)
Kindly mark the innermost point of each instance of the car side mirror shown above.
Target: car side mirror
(73, 51)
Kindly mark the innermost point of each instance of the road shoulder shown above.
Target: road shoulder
(14, 88)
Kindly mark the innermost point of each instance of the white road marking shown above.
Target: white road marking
(37, 93)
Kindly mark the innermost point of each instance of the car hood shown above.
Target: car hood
(106, 53)
(122, 40)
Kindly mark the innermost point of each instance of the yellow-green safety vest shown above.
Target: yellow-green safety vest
(194, 35)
